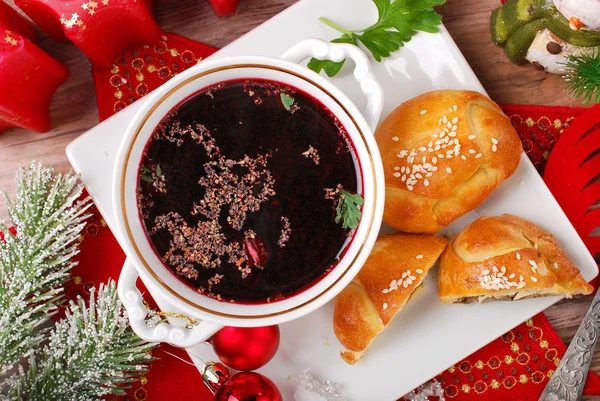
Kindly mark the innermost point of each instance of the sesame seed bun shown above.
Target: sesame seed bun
(390, 277)
(506, 257)
(443, 153)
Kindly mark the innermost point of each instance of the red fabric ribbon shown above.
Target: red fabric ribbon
(141, 69)
(516, 366)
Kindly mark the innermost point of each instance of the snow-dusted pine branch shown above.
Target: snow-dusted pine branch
(92, 353)
(35, 263)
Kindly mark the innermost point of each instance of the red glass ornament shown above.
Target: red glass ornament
(248, 386)
(102, 29)
(246, 348)
(243, 386)
(28, 76)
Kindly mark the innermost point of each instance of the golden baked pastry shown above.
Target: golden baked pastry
(506, 257)
(443, 153)
(390, 277)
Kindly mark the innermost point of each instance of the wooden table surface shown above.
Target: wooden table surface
(73, 109)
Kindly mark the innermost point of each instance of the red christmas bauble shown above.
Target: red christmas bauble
(248, 386)
(246, 348)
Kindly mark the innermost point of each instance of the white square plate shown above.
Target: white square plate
(427, 336)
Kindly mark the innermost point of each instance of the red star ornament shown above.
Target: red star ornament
(28, 76)
(11, 20)
(102, 29)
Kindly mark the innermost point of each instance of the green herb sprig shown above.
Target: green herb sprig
(398, 22)
(287, 101)
(583, 78)
(146, 174)
(348, 209)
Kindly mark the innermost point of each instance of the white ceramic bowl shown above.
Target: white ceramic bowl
(143, 261)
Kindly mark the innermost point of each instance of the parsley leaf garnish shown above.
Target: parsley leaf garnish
(398, 22)
(146, 174)
(348, 210)
(331, 68)
(287, 101)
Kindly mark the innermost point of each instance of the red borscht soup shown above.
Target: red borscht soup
(248, 191)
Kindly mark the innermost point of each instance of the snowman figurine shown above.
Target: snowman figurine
(546, 32)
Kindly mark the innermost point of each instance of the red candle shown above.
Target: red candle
(28, 76)
(102, 29)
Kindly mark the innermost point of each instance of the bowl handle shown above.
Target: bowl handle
(362, 72)
(132, 299)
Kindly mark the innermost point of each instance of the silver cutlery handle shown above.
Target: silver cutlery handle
(568, 379)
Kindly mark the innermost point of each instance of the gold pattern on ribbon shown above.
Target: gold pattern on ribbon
(141, 393)
(140, 66)
(543, 122)
(480, 387)
(494, 363)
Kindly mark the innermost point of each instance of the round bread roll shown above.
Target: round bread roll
(443, 153)
(506, 257)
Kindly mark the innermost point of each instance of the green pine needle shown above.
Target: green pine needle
(583, 78)
(35, 263)
(398, 22)
(92, 353)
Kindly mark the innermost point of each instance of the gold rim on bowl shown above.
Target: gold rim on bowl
(127, 160)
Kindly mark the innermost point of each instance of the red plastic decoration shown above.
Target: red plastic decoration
(11, 20)
(571, 174)
(246, 348)
(224, 8)
(102, 29)
(248, 386)
(28, 76)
